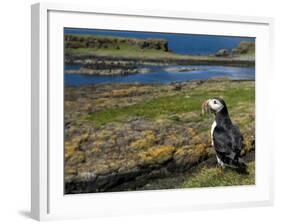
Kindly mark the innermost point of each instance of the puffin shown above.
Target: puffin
(226, 137)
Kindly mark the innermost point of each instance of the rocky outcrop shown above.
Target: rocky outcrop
(123, 67)
(180, 69)
(119, 68)
(110, 68)
(136, 151)
(244, 48)
(105, 42)
(109, 71)
(222, 53)
(160, 61)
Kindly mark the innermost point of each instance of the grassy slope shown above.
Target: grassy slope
(174, 104)
(243, 94)
(131, 51)
(134, 52)
(211, 177)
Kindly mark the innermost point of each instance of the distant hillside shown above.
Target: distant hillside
(109, 42)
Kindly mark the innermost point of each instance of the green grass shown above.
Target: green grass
(172, 105)
(212, 177)
(130, 51)
(124, 51)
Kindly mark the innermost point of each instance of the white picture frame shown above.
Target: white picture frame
(48, 200)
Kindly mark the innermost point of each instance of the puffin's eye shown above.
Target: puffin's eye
(215, 102)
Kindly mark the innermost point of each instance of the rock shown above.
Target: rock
(156, 155)
(235, 51)
(97, 42)
(245, 47)
(177, 86)
(180, 69)
(104, 72)
(222, 53)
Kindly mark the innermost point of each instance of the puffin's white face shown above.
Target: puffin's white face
(213, 105)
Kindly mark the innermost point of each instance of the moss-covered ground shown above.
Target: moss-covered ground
(150, 133)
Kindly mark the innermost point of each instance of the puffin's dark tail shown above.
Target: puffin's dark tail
(242, 167)
(237, 163)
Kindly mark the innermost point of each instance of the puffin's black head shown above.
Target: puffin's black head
(214, 105)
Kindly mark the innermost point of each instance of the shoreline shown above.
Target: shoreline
(176, 84)
(123, 71)
(165, 60)
(108, 66)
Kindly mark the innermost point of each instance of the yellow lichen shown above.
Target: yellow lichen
(197, 153)
(120, 92)
(103, 134)
(191, 132)
(196, 139)
(98, 144)
(69, 170)
(181, 156)
(173, 138)
(249, 144)
(180, 152)
(157, 154)
(148, 138)
(76, 158)
(69, 150)
(72, 146)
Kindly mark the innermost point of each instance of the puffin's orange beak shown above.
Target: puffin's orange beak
(205, 107)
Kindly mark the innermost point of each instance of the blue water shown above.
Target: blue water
(164, 77)
(179, 43)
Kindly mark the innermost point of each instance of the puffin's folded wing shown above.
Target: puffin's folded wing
(223, 142)
(238, 139)
(226, 146)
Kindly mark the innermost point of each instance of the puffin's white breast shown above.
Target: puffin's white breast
(212, 131)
